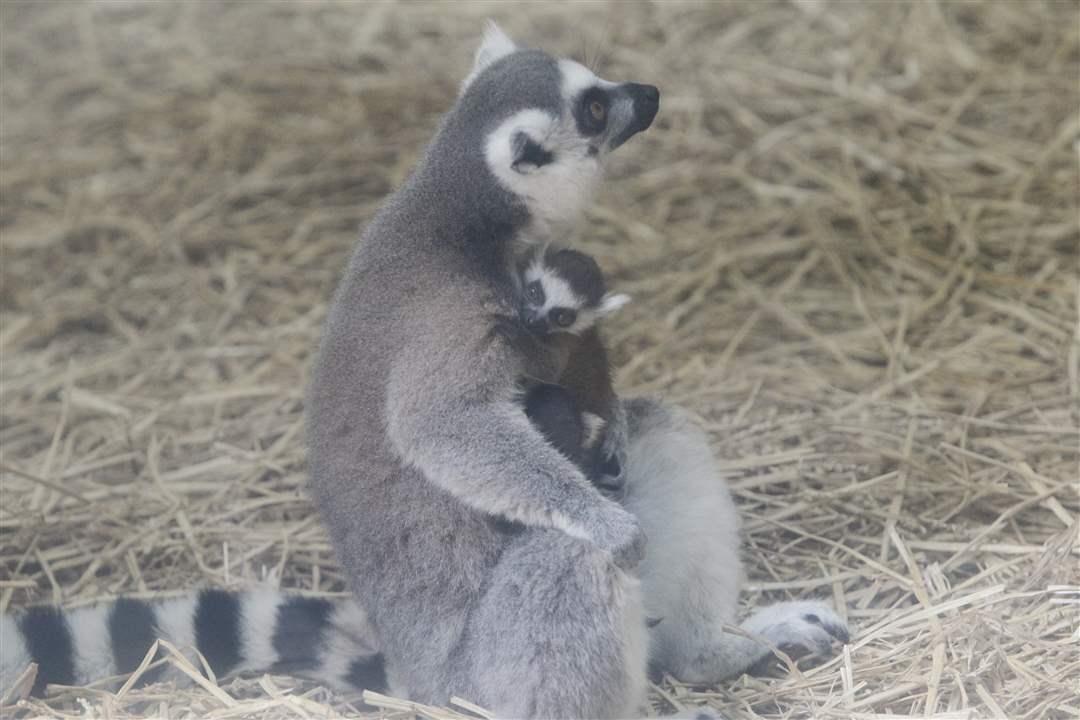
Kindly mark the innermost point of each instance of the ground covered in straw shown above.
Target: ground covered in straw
(851, 239)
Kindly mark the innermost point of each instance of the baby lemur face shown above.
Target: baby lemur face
(563, 291)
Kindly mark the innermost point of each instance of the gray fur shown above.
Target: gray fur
(691, 575)
(416, 443)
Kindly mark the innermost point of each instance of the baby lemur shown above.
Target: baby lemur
(562, 296)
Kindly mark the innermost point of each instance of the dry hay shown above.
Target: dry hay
(851, 240)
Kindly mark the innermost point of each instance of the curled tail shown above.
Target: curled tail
(260, 630)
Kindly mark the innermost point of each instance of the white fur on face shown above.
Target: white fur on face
(576, 78)
(558, 294)
(554, 192)
(499, 149)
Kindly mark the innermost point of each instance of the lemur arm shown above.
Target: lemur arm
(451, 413)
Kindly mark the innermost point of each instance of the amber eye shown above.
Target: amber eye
(563, 318)
(597, 109)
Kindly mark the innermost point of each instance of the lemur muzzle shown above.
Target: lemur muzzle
(646, 103)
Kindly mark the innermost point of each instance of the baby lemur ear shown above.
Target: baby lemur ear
(611, 303)
(495, 45)
(528, 155)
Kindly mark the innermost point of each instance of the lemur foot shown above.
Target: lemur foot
(800, 628)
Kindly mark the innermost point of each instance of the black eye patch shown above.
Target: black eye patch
(528, 152)
(563, 317)
(591, 111)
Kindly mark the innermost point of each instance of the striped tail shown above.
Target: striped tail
(261, 630)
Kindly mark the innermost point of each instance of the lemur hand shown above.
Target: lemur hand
(613, 529)
(613, 449)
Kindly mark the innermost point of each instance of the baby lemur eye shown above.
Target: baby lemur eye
(597, 109)
(534, 293)
(563, 317)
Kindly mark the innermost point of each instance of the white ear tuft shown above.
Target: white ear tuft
(494, 45)
(611, 303)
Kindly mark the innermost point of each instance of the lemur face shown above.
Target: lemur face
(563, 291)
(548, 305)
(557, 120)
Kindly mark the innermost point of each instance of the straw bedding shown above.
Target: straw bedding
(851, 239)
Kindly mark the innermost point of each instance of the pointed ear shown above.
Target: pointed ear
(528, 155)
(494, 45)
(611, 303)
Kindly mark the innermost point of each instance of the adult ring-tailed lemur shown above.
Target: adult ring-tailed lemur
(420, 452)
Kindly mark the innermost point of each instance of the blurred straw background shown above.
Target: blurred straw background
(851, 239)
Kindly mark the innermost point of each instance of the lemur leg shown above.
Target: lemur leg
(559, 633)
(691, 573)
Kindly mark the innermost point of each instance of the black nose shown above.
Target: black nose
(648, 93)
(535, 324)
(646, 103)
